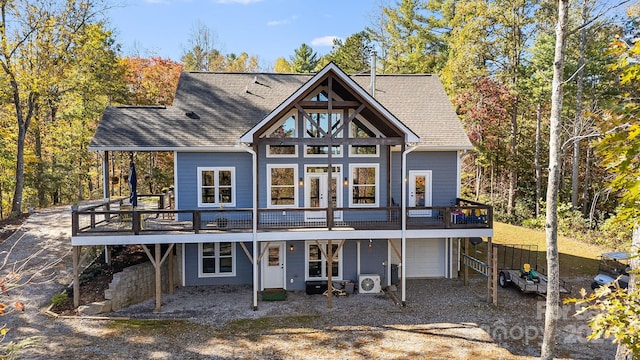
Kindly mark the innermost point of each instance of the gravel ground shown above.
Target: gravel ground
(443, 319)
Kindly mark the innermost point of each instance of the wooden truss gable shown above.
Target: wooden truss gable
(332, 92)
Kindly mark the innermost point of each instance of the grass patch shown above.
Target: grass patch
(577, 259)
(148, 325)
(268, 323)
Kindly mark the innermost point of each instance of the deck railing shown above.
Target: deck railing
(116, 217)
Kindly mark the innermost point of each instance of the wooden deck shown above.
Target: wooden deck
(113, 219)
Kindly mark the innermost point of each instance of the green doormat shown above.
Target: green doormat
(274, 295)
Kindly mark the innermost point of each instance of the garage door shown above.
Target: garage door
(425, 258)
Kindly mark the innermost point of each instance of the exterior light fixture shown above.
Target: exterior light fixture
(346, 181)
(301, 182)
(291, 248)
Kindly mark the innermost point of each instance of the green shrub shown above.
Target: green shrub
(59, 298)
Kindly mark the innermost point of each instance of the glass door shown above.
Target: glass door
(318, 191)
(420, 193)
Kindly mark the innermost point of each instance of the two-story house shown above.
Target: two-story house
(276, 174)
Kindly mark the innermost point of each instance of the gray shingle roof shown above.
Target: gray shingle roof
(216, 109)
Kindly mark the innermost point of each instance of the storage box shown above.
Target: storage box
(316, 287)
(348, 287)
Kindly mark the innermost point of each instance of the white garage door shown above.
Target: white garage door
(425, 258)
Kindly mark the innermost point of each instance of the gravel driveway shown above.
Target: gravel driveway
(443, 319)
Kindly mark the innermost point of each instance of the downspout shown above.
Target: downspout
(254, 226)
(404, 222)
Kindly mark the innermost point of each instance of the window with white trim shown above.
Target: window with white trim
(363, 183)
(282, 185)
(286, 129)
(360, 129)
(216, 186)
(216, 259)
(316, 264)
(317, 125)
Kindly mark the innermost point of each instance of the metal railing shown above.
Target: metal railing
(117, 217)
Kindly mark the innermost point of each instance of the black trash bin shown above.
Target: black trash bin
(394, 274)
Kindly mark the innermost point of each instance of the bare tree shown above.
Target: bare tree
(16, 274)
(555, 151)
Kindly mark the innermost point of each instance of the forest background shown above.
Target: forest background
(62, 65)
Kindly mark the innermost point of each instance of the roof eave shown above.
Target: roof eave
(228, 148)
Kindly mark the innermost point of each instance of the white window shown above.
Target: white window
(316, 264)
(362, 129)
(282, 151)
(286, 129)
(282, 185)
(216, 259)
(363, 185)
(216, 186)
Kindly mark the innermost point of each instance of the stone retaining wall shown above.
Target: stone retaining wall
(137, 283)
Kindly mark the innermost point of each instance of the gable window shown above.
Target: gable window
(216, 259)
(282, 151)
(216, 186)
(318, 125)
(359, 129)
(363, 185)
(286, 129)
(316, 264)
(282, 185)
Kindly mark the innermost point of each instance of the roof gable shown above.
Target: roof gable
(330, 70)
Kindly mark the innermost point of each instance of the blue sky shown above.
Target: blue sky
(266, 28)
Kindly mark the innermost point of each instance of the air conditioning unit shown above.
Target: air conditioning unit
(369, 284)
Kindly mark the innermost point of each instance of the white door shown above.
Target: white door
(316, 195)
(420, 192)
(273, 266)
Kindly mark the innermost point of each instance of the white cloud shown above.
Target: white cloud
(243, 2)
(324, 40)
(157, 1)
(282, 22)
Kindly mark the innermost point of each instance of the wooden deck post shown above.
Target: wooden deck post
(75, 254)
(494, 275)
(466, 268)
(490, 272)
(329, 275)
(171, 270)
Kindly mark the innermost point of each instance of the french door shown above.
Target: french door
(318, 191)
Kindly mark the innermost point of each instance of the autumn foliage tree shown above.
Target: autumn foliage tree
(485, 114)
(151, 81)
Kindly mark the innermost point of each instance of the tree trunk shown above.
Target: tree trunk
(39, 176)
(478, 181)
(577, 125)
(551, 226)
(585, 185)
(536, 159)
(16, 204)
(513, 173)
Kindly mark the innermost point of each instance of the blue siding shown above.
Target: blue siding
(443, 166)
(301, 161)
(187, 172)
(295, 266)
(244, 268)
(371, 260)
